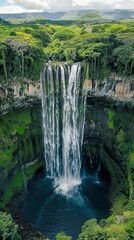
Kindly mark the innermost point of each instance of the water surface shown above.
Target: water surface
(50, 211)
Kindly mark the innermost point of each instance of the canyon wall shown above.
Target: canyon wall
(21, 149)
(109, 143)
(109, 134)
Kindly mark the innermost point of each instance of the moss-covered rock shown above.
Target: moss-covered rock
(111, 141)
(21, 149)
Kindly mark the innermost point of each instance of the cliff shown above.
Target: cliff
(19, 94)
(109, 106)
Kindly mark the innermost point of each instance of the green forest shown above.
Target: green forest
(24, 48)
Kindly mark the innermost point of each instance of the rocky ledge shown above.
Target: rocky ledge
(28, 93)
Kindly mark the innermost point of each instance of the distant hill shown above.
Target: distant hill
(31, 15)
(91, 16)
(85, 15)
(2, 21)
(80, 15)
(74, 14)
(118, 14)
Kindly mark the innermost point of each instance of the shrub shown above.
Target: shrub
(8, 229)
(62, 236)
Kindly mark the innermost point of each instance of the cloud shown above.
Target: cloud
(43, 4)
(19, 6)
(11, 9)
(103, 4)
(125, 4)
(30, 4)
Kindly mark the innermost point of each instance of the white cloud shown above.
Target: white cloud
(129, 4)
(41, 5)
(18, 6)
(30, 4)
(11, 9)
(110, 2)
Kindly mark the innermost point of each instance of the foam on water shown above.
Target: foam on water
(66, 187)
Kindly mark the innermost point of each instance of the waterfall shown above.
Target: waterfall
(63, 107)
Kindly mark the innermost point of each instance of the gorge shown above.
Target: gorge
(104, 124)
(64, 192)
(67, 139)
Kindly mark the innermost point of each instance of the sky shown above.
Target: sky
(18, 6)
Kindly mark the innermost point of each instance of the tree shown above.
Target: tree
(91, 230)
(130, 228)
(8, 229)
(124, 58)
(63, 34)
(70, 54)
(42, 35)
(62, 236)
(3, 59)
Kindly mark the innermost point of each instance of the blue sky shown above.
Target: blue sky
(64, 5)
(2, 2)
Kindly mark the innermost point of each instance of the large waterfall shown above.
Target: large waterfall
(63, 106)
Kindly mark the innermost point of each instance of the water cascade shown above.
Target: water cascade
(63, 200)
(63, 105)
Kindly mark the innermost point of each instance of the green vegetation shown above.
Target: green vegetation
(8, 229)
(121, 148)
(63, 236)
(17, 181)
(12, 126)
(73, 15)
(21, 143)
(119, 227)
(110, 119)
(21, 52)
(106, 48)
(116, 153)
(90, 16)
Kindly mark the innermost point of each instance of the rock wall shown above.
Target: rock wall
(114, 86)
(109, 139)
(17, 92)
(109, 133)
(21, 149)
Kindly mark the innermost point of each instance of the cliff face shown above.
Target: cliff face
(115, 87)
(19, 94)
(109, 140)
(109, 134)
(21, 149)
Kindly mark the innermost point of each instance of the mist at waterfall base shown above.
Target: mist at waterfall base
(51, 212)
(61, 200)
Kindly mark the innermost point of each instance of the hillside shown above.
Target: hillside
(90, 15)
(48, 15)
(85, 15)
(73, 15)
(81, 15)
(118, 14)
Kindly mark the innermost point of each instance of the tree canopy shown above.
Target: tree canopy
(107, 48)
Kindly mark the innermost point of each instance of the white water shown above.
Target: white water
(63, 107)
